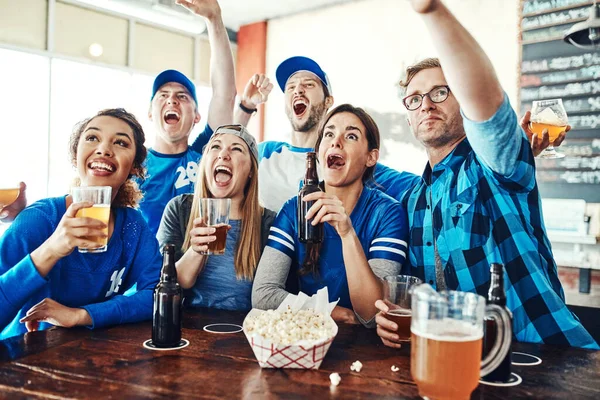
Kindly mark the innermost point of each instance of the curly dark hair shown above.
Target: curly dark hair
(129, 194)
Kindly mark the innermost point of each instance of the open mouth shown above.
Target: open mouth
(223, 174)
(102, 167)
(171, 117)
(300, 107)
(335, 161)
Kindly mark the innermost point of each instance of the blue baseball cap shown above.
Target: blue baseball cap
(296, 64)
(172, 75)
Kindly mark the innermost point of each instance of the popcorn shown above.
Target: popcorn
(335, 379)
(289, 327)
(296, 335)
(356, 366)
(395, 369)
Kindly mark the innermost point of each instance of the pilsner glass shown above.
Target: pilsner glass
(550, 115)
(215, 214)
(101, 196)
(397, 290)
(447, 330)
(8, 195)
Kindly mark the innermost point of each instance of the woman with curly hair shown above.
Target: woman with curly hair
(43, 281)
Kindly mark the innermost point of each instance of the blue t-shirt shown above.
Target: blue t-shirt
(169, 175)
(95, 282)
(380, 223)
(217, 286)
(282, 167)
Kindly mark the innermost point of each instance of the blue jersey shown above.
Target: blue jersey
(380, 223)
(169, 175)
(95, 282)
(282, 167)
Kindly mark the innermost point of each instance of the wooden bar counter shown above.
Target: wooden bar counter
(112, 363)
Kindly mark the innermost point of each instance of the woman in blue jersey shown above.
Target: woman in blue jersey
(228, 169)
(44, 281)
(365, 230)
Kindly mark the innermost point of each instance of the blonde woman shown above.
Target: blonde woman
(228, 169)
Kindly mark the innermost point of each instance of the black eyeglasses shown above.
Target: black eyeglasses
(438, 94)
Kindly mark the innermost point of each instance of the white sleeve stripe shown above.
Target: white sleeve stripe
(390, 249)
(391, 240)
(282, 233)
(283, 242)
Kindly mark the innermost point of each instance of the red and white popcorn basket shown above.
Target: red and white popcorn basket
(303, 354)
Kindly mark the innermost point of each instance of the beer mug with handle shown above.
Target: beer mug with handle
(446, 334)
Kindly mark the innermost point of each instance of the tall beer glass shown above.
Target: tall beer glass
(101, 196)
(397, 290)
(215, 214)
(447, 329)
(550, 115)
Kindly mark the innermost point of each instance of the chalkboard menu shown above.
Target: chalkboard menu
(550, 69)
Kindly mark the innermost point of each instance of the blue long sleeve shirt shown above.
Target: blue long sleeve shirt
(95, 282)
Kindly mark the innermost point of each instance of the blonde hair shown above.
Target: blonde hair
(248, 249)
(414, 69)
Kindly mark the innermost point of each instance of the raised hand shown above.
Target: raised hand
(385, 328)
(424, 6)
(257, 91)
(205, 8)
(56, 314)
(328, 208)
(74, 232)
(10, 212)
(540, 144)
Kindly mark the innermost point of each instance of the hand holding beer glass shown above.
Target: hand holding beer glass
(397, 291)
(550, 115)
(447, 330)
(101, 196)
(215, 214)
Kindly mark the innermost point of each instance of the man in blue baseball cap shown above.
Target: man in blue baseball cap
(171, 163)
(308, 96)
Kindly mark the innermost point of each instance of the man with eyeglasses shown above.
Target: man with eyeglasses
(477, 202)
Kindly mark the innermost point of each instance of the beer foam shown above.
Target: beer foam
(448, 330)
(548, 116)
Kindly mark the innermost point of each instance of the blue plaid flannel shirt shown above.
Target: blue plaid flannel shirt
(481, 205)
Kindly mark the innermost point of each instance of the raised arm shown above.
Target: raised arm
(467, 68)
(222, 75)
(256, 92)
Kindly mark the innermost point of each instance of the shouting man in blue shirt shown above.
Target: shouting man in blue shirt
(478, 201)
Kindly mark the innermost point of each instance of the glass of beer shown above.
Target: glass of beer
(101, 196)
(397, 290)
(447, 330)
(215, 214)
(550, 115)
(8, 195)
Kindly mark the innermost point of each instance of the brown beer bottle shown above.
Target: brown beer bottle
(307, 233)
(166, 321)
(496, 295)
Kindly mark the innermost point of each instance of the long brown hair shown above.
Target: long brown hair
(310, 264)
(247, 252)
(129, 195)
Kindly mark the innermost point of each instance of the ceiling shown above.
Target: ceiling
(235, 12)
(242, 12)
